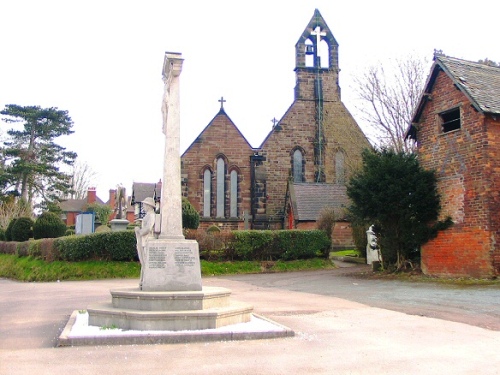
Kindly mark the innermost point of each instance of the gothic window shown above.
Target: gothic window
(340, 168)
(298, 167)
(233, 204)
(220, 187)
(324, 54)
(207, 192)
(309, 53)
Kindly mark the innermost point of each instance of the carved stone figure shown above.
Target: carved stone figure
(372, 250)
(121, 203)
(144, 233)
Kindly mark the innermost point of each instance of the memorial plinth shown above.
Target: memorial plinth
(172, 265)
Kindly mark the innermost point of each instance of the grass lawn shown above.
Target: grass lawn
(31, 269)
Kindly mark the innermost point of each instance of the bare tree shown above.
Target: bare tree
(389, 94)
(83, 176)
(13, 208)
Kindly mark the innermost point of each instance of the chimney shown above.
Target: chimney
(112, 198)
(91, 195)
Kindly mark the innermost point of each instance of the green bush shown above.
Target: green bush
(8, 231)
(2, 235)
(302, 244)
(22, 230)
(48, 225)
(69, 232)
(119, 246)
(190, 217)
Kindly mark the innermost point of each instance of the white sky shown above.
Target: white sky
(101, 60)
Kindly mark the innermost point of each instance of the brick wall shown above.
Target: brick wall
(462, 161)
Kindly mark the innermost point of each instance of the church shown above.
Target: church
(300, 167)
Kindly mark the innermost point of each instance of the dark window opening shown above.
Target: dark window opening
(450, 120)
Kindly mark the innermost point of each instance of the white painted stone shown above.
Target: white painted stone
(172, 265)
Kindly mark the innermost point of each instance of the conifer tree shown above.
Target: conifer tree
(393, 192)
(32, 158)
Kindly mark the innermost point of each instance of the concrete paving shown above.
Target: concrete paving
(332, 335)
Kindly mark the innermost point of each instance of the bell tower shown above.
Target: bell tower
(317, 76)
(316, 60)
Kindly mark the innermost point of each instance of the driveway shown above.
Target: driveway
(342, 324)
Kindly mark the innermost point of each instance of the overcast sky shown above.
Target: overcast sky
(102, 60)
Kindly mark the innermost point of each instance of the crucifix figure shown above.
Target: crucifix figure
(221, 101)
(318, 33)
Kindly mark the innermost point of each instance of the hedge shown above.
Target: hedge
(121, 246)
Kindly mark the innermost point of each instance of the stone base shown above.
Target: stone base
(171, 265)
(169, 311)
(118, 224)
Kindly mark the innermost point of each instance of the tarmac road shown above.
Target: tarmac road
(343, 325)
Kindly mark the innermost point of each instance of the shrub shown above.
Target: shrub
(22, 230)
(2, 235)
(325, 223)
(8, 231)
(69, 232)
(359, 237)
(119, 246)
(48, 225)
(190, 217)
(294, 244)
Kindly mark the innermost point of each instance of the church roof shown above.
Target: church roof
(309, 199)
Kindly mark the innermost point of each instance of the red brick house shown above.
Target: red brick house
(71, 208)
(316, 141)
(457, 129)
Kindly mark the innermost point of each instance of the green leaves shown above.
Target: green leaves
(393, 191)
(32, 158)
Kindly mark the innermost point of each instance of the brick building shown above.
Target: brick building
(317, 141)
(457, 129)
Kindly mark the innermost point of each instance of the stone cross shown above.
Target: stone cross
(171, 199)
(274, 121)
(318, 33)
(221, 101)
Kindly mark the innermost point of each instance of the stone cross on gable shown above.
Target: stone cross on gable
(221, 101)
(317, 31)
(274, 121)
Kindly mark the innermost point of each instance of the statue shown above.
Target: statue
(144, 233)
(121, 203)
(372, 250)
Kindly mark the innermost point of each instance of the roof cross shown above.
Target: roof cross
(221, 101)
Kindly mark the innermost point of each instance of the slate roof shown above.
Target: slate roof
(480, 82)
(142, 190)
(309, 199)
(76, 205)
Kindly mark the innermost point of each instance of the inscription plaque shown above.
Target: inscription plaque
(157, 257)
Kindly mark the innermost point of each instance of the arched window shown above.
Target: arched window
(298, 170)
(233, 203)
(207, 192)
(339, 168)
(324, 54)
(309, 53)
(220, 187)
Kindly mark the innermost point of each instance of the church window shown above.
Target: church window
(450, 120)
(207, 182)
(340, 168)
(233, 204)
(298, 168)
(220, 187)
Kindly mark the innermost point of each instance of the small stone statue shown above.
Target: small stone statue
(372, 250)
(167, 79)
(144, 233)
(121, 203)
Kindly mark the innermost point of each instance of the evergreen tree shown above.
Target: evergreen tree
(32, 158)
(396, 194)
